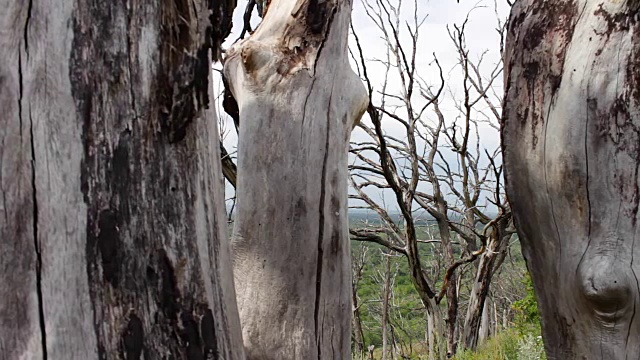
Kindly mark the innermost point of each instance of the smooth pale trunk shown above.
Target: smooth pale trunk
(476, 310)
(436, 339)
(112, 230)
(298, 101)
(571, 138)
(485, 323)
(505, 319)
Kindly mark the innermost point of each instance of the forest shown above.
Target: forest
(510, 327)
(319, 179)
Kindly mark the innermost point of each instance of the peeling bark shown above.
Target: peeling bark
(571, 143)
(298, 101)
(113, 235)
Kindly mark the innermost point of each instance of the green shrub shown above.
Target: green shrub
(521, 342)
(527, 309)
(530, 347)
(502, 346)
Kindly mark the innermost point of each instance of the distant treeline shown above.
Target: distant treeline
(370, 216)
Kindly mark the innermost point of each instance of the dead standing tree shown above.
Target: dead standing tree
(416, 168)
(571, 144)
(298, 101)
(358, 262)
(113, 239)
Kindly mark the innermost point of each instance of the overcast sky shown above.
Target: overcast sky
(481, 36)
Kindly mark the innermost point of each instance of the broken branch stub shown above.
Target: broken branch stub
(298, 101)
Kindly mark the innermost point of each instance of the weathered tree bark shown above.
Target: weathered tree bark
(505, 319)
(358, 334)
(571, 140)
(386, 293)
(436, 340)
(495, 253)
(112, 235)
(447, 248)
(298, 100)
(485, 323)
(357, 265)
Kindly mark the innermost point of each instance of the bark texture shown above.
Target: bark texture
(571, 141)
(490, 261)
(298, 101)
(358, 333)
(113, 227)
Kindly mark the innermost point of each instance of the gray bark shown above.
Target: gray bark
(298, 101)
(485, 323)
(436, 339)
(386, 293)
(571, 145)
(490, 261)
(112, 229)
(358, 262)
(358, 333)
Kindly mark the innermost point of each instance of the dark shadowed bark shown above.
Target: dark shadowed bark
(113, 228)
(571, 141)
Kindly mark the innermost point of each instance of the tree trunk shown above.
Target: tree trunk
(505, 319)
(298, 101)
(113, 234)
(452, 287)
(485, 324)
(436, 339)
(386, 290)
(495, 253)
(496, 323)
(571, 145)
(358, 337)
(357, 267)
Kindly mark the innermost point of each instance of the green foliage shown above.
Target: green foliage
(407, 317)
(521, 342)
(527, 313)
(502, 346)
(531, 347)
(510, 344)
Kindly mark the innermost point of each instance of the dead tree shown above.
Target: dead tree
(384, 313)
(113, 240)
(571, 144)
(359, 260)
(298, 101)
(436, 166)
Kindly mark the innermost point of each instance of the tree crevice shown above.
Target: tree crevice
(586, 155)
(304, 108)
(36, 243)
(130, 69)
(20, 91)
(34, 199)
(329, 21)
(323, 179)
(26, 27)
